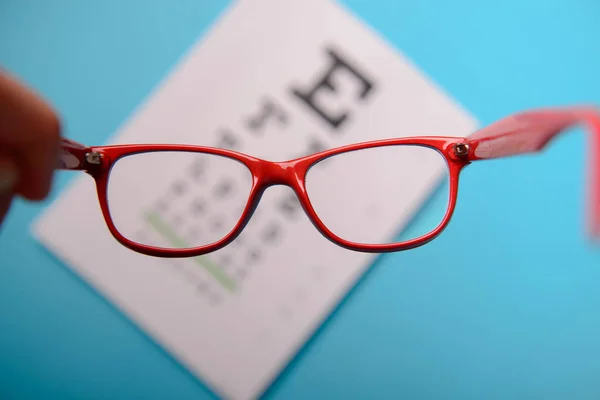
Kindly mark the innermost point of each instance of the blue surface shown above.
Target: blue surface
(503, 305)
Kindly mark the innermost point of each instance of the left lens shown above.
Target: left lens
(177, 199)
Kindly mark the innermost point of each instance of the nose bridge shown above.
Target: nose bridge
(278, 173)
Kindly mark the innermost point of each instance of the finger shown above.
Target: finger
(8, 180)
(29, 133)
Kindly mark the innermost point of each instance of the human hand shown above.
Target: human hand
(29, 143)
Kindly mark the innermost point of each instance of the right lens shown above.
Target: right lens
(364, 196)
(177, 199)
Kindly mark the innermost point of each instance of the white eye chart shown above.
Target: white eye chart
(275, 80)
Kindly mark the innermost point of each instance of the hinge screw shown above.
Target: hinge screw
(461, 150)
(93, 158)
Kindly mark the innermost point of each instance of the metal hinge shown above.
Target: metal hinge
(461, 150)
(93, 158)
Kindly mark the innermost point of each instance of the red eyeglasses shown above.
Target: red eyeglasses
(242, 179)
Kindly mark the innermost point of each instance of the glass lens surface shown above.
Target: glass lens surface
(380, 195)
(176, 199)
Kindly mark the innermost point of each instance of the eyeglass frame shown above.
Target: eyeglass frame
(524, 132)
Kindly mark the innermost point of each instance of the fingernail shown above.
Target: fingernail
(8, 178)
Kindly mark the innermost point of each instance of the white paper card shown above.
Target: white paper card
(235, 317)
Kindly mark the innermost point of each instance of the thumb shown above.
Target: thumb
(8, 181)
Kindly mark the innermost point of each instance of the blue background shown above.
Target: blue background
(505, 304)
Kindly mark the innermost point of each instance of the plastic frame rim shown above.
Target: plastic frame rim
(291, 173)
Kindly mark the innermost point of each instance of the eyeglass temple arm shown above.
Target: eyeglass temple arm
(72, 155)
(531, 131)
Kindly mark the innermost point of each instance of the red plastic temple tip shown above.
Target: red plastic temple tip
(530, 131)
(594, 195)
(71, 155)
